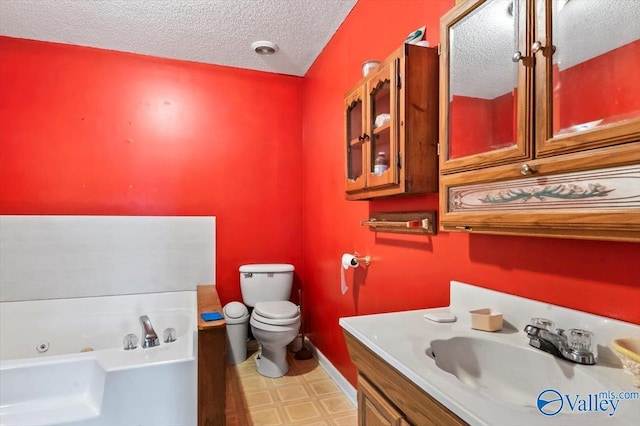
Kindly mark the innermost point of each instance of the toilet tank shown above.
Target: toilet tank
(265, 282)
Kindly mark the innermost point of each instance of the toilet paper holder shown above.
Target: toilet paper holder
(365, 259)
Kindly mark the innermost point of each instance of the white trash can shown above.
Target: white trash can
(236, 315)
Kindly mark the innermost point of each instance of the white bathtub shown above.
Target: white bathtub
(106, 385)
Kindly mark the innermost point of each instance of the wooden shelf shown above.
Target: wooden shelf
(208, 301)
(382, 128)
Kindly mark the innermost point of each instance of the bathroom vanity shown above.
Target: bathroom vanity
(386, 397)
(414, 371)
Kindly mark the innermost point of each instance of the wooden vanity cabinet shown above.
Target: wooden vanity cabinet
(394, 111)
(374, 409)
(547, 144)
(386, 397)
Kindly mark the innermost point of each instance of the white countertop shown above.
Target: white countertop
(403, 339)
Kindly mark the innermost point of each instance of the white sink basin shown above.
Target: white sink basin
(497, 378)
(510, 373)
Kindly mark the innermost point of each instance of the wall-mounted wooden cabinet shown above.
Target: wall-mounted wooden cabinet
(540, 118)
(392, 115)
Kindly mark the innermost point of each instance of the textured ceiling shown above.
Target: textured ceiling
(583, 29)
(209, 31)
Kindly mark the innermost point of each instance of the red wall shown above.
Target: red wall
(606, 86)
(88, 131)
(410, 272)
(470, 126)
(504, 121)
(477, 124)
(581, 93)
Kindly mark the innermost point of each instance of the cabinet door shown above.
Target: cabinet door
(382, 125)
(356, 140)
(486, 85)
(587, 57)
(374, 409)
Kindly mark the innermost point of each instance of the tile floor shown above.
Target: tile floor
(306, 395)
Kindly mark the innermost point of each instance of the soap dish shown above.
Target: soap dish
(628, 350)
(486, 319)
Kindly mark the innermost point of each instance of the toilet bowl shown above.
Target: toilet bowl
(274, 325)
(274, 321)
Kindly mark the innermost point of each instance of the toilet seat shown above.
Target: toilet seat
(280, 309)
(276, 313)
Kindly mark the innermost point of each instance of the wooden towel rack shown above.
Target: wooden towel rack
(421, 222)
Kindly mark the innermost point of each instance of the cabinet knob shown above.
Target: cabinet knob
(537, 47)
(517, 56)
(526, 169)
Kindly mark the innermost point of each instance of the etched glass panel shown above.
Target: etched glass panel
(354, 140)
(381, 122)
(483, 79)
(596, 81)
(605, 189)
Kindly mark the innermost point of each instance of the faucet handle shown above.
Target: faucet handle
(130, 341)
(169, 335)
(579, 340)
(543, 323)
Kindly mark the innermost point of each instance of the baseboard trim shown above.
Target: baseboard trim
(344, 385)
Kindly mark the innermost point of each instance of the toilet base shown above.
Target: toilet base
(272, 362)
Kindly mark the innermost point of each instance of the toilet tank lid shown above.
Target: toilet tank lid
(267, 267)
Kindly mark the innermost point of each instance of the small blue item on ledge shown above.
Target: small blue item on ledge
(211, 316)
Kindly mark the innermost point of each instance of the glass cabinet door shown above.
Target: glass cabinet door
(487, 77)
(382, 127)
(356, 138)
(587, 68)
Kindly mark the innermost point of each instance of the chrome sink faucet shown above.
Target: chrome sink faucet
(574, 346)
(149, 336)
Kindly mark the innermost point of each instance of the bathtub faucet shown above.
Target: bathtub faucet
(149, 336)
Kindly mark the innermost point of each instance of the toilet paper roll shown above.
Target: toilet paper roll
(348, 261)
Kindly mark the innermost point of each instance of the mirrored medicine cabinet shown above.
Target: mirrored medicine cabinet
(540, 118)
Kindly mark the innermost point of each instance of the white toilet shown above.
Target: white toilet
(275, 321)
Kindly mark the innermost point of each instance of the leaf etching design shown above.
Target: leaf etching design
(563, 192)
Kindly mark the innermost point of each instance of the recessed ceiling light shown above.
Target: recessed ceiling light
(264, 47)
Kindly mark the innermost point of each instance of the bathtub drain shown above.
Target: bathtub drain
(42, 347)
